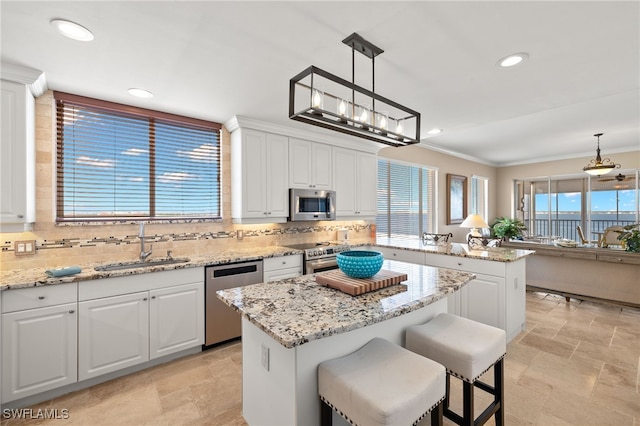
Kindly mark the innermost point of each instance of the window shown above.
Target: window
(406, 200)
(480, 196)
(553, 207)
(116, 162)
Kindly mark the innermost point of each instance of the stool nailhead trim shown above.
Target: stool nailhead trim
(351, 421)
(453, 373)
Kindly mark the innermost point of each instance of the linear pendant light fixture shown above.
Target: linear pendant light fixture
(322, 99)
(598, 166)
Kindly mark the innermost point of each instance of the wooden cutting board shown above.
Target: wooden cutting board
(356, 286)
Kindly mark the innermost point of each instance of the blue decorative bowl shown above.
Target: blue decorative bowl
(360, 263)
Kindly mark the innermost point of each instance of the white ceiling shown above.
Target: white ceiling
(213, 60)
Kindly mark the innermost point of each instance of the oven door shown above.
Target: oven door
(319, 265)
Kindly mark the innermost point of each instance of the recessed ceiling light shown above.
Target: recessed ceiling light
(512, 60)
(72, 30)
(140, 93)
(434, 131)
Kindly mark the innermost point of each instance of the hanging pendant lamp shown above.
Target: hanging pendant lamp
(598, 166)
(322, 99)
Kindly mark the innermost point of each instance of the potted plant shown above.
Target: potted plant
(508, 228)
(630, 237)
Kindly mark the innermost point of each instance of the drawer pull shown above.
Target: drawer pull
(153, 297)
(71, 311)
(41, 297)
(144, 299)
(459, 263)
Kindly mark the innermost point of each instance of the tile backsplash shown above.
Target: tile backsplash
(73, 244)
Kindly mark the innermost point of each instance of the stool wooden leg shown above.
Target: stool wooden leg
(326, 414)
(498, 374)
(467, 403)
(436, 415)
(448, 388)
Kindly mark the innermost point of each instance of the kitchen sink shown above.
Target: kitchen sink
(147, 264)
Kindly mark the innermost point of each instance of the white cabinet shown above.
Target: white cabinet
(259, 177)
(113, 334)
(176, 319)
(355, 176)
(496, 297)
(309, 165)
(124, 321)
(17, 157)
(39, 340)
(279, 268)
(390, 253)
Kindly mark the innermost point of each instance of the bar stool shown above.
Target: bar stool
(381, 384)
(467, 349)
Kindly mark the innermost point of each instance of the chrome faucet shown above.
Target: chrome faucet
(143, 254)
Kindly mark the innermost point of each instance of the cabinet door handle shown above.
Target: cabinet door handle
(144, 299)
(41, 297)
(71, 311)
(459, 263)
(153, 297)
(20, 216)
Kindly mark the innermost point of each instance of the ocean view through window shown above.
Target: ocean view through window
(554, 207)
(116, 162)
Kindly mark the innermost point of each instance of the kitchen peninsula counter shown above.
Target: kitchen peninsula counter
(291, 326)
(592, 273)
(495, 254)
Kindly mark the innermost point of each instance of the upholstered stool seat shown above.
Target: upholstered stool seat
(381, 384)
(467, 349)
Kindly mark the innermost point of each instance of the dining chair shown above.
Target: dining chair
(583, 240)
(610, 236)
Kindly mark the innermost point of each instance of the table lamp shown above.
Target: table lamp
(474, 221)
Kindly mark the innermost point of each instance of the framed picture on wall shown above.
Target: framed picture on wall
(456, 199)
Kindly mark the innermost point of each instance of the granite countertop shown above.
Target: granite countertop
(295, 311)
(36, 277)
(495, 254)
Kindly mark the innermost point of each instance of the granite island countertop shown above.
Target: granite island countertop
(36, 277)
(495, 254)
(295, 311)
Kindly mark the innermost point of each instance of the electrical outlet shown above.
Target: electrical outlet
(240, 234)
(265, 356)
(25, 248)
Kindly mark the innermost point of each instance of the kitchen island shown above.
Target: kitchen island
(290, 326)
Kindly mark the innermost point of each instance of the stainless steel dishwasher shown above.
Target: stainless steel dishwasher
(222, 322)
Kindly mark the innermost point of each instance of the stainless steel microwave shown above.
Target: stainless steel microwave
(311, 204)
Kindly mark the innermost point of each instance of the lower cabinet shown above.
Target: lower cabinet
(57, 335)
(113, 334)
(176, 319)
(280, 268)
(483, 300)
(39, 350)
(495, 297)
(116, 332)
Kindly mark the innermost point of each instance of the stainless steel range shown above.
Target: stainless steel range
(320, 257)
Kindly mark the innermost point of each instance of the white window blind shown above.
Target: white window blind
(119, 162)
(406, 200)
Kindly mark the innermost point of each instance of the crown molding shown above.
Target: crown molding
(32, 78)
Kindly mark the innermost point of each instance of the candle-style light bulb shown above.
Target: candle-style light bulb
(399, 128)
(364, 116)
(342, 108)
(317, 99)
(383, 122)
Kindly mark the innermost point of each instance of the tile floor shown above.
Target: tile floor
(576, 364)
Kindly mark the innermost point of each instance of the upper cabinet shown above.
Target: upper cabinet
(18, 86)
(259, 177)
(355, 176)
(17, 158)
(309, 165)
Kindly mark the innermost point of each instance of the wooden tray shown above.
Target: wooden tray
(356, 286)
